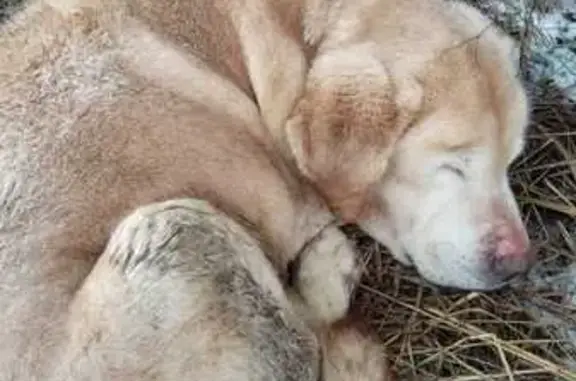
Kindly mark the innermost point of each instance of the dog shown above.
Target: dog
(292, 117)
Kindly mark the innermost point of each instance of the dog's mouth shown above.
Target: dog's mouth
(490, 284)
(452, 290)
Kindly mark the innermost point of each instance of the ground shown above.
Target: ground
(527, 332)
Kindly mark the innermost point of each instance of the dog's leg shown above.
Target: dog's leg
(326, 276)
(182, 292)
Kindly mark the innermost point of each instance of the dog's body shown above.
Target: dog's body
(106, 106)
(83, 144)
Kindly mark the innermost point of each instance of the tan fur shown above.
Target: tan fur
(284, 115)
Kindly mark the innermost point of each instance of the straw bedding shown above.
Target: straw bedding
(527, 332)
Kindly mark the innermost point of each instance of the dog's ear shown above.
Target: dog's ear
(344, 128)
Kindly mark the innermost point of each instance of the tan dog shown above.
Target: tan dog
(401, 116)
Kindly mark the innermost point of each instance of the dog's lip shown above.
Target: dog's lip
(408, 258)
(404, 257)
(491, 284)
(451, 290)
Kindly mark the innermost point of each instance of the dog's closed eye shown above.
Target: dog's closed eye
(453, 169)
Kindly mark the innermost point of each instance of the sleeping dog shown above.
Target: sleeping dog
(290, 117)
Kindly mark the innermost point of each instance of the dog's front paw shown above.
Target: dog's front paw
(327, 275)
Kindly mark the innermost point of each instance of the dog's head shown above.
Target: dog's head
(411, 116)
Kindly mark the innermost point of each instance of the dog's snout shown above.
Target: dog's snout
(512, 253)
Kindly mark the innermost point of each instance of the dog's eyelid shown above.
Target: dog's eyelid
(454, 169)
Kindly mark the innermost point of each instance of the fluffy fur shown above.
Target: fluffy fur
(283, 114)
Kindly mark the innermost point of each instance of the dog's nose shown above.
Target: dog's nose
(512, 254)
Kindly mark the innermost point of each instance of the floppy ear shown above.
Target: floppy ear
(274, 56)
(344, 128)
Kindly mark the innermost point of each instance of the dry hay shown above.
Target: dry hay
(501, 335)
